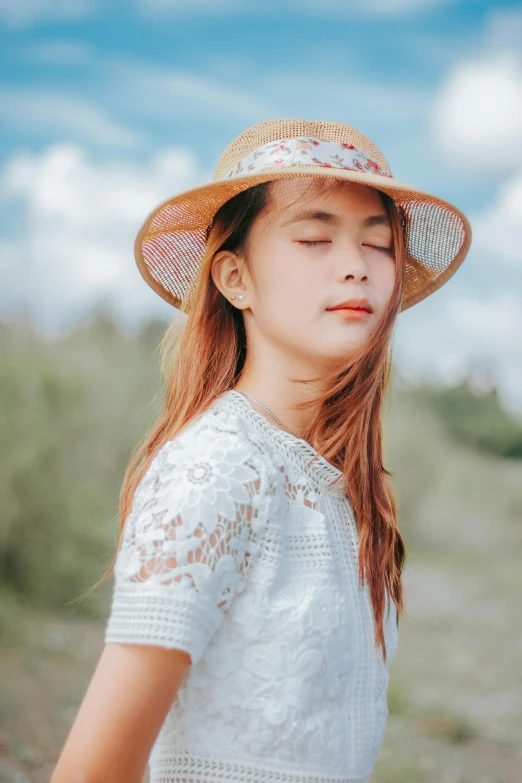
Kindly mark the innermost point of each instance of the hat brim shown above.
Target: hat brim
(171, 241)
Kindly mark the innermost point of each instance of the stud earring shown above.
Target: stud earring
(241, 297)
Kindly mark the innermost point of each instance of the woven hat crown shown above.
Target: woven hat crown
(272, 130)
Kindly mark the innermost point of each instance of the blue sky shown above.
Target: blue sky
(108, 108)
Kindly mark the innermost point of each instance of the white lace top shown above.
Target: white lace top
(242, 549)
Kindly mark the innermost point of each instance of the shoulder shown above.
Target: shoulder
(217, 452)
(219, 430)
(195, 529)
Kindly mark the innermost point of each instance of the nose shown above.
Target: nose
(350, 263)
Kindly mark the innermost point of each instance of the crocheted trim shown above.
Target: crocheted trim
(322, 473)
(167, 765)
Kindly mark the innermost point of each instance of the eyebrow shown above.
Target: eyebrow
(330, 218)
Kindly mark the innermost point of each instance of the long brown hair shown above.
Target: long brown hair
(205, 357)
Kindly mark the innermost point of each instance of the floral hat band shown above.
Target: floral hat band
(306, 151)
(172, 241)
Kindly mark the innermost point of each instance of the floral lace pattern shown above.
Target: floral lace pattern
(241, 548)
(191, 535)
(306, 151)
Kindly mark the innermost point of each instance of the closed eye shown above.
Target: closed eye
(316, 242)
(313, 242)
(382, 249)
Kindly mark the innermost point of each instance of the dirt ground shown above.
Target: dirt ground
(455, 694)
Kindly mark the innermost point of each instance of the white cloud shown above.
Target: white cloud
(494, 324)
(474, 323)
(62, 117)
(454, 333)
(78, 220)
(25, 13)
(497, 232)
(477, 122)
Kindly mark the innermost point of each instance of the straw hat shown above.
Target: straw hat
(171, 242)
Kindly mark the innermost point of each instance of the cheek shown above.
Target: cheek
(386, 279)
(288, 285)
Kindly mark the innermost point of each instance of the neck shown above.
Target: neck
(278, 392)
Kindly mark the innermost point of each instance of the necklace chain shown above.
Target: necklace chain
(293, 432)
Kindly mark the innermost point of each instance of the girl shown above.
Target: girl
(258, 577)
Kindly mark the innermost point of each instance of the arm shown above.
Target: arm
(122, 712)
(187, 548)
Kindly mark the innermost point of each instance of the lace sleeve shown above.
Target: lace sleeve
(190, 537)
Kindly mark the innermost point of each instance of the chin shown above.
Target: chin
(344, 347)
(341, 354)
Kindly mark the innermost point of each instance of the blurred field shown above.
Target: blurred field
(72, 411)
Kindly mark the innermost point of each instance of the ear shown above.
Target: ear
(227, 272)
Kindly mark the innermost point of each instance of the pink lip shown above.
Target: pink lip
(356, 314)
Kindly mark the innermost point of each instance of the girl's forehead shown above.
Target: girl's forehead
(289, 196)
